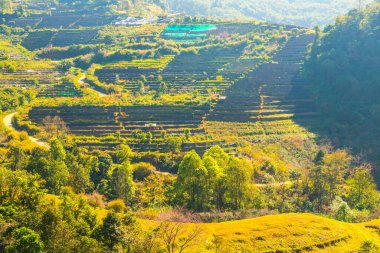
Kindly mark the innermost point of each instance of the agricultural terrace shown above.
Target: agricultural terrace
(198, 67)
(131, 34)
(60, 38)
(144, 128)
(57, 21)
(170, 95)
(25, 73)
(45, 37)
(61, 90)
(269, 99)
(8, 51)
(132, 71)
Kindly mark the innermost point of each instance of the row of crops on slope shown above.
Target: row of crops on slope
(218, 69)
(204, 67)
(144, 128)
(267, 101)
(132, 71)
(58, 37)
(61, 21)
(25, 73)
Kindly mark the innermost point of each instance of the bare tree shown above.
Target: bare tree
(150, 242)
(176, 238)
(55, 127)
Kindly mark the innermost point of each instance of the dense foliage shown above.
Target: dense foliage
(302, 13)
(80, 6)
(343, 66)
(61, 196)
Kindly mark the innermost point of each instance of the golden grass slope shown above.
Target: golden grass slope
(282, 233)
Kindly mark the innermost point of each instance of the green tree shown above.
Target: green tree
(20, 188)
(163, 134)
(318, 193)
(79, 177)
(141, 87)
(110, 233)
(216, 179)
(123, 153)
(100, 168)
(362, 189)
(57, 175)
(188, 134)
(18, 159)
(238, 175)
(220, 156)
(334, 168)
(318, 160)
(122, 183)
(174, 143)
(163, 87)
(57, 151)
(152, 192)
(149, 137)
(62, 237)
(25, 240)
(191, 186)
(51, 166)
(216, 161)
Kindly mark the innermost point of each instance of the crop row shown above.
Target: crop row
(61, 90)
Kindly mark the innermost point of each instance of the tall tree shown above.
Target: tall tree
(238, 175)
(110, 233)
(17, 157)
(220, 156)
(56, 172)
(122, 183)
(216, 179)
(362, 189)
(191, 185)
(334, 168)
(123, 153)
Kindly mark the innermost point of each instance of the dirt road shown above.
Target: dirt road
(8, 124)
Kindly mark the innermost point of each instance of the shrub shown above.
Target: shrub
(161, 161)
(117, 205)
(368, 247)
(142, 170)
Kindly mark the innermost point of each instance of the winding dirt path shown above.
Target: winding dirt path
(81, 82)
(8, 124)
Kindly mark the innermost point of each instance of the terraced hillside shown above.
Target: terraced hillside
(131, 71)
(60, 38)
(61, 90)
(105, 128)
(269, 97)
(213, 67)
(86, 35)
(263, 93)
(26, 73)
(62, 21)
